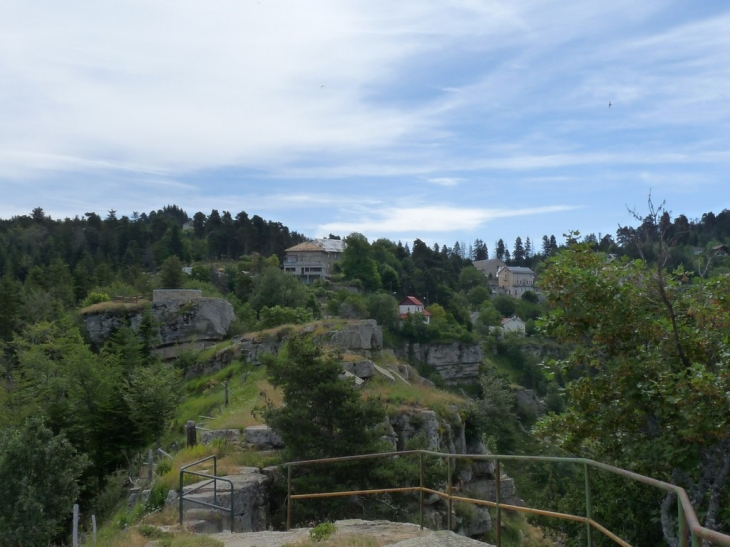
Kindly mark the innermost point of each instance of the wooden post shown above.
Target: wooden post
(150, 466)
(93, 527)
(225, 387)
(191, 433)
(76, 525)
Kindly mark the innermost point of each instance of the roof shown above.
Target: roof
(320, 245)
(488, 266)
(411, 301)
(506, 320)
(520, 269)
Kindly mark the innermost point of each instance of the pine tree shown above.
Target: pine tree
(500, 250)
(519, 252)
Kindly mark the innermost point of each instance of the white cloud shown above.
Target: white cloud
(430, 219)
(446, 181)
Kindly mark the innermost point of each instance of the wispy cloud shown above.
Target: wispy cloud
(431, 219)
(446, 181)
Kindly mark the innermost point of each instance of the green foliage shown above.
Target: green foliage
(95, 298)
(40, 473)
(384, 309)
(357, 262)
(649, 368)
(493, 412)
(324, 415)
(506, 305)
(153, 394)
(323, 531)
(273, 317)
(171, 275)
(156, 499)
(274, 287)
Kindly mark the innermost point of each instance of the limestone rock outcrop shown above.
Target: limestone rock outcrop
(190, 323)
(455, 362)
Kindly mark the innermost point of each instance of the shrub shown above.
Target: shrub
(95, 298)
(323, 531)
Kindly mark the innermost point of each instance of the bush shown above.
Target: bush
(95, 298)
(157, 497)
(322, 531)
(273, 317)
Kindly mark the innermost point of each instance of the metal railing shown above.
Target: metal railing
(211, 479)
(687, 523)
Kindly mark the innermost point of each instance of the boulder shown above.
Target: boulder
(262, 437)
(228, 435)
(250, 503)
(362, 369)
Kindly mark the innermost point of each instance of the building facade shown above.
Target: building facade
(314, 259)
(515, 280)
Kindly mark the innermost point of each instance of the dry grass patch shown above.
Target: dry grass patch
(402, 395)
(112, 306)
(239, 415)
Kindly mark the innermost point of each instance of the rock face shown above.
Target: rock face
(262, 437)
(455, 362)
(363, 337)
(227, 435)
(183, 323)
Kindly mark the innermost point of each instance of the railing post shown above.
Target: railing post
(288, 497)
(181, 496)
(589, 528)
(682, 525)
(420, 458)
(225, 385)
(215, 482)
(498, 495)
(448, 489)
(232, 512)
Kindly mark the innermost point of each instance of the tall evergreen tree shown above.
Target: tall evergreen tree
(518, 256)
(500, 250)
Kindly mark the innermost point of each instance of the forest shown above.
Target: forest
(648, 306)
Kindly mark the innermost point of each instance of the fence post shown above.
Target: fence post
(288, 497)
(682, 532)
(420, 458)
(76, 525)
(181, 498)
(93, 527)
(589, 528)
(191, 433)
(225, 388)
(498, 495)
(150, 466)
(448, 490)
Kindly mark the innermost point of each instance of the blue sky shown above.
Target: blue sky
(444, 120)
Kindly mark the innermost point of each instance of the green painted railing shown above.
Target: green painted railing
(214, 478)
(688, 527)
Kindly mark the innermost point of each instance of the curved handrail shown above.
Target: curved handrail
(686, 510)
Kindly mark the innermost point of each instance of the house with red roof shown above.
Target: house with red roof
(410, 305)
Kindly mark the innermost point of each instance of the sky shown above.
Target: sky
(444, 120)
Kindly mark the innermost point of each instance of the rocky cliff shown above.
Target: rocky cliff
(455, 362)
(183, 324)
